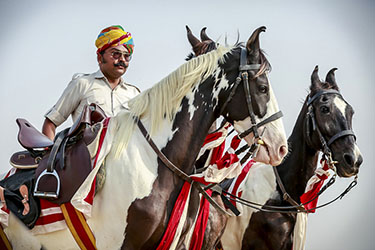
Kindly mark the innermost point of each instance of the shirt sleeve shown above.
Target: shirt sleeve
(67, 103)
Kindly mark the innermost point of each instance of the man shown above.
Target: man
(104, 87)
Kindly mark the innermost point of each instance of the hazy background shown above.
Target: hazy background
(43, 43)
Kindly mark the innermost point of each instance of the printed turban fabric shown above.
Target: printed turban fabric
(114, 36)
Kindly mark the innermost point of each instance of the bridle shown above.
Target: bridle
(327, 156)
(327, 153)
(243, 77)
(310, 116)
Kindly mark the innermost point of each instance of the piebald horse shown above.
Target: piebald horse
(133, 208)
(323, 125)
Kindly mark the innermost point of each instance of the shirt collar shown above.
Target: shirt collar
(99, 75)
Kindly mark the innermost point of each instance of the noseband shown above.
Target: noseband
(243, 76)
(310, 116)
(327, 153)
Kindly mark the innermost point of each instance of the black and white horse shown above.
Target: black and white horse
(133, 208)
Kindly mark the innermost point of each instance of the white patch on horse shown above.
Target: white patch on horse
(191, 97)
(357, 152)
(259, 187)
(270, 153)
(272, 108)
(222, 84)
(132, 176)
(340, 104)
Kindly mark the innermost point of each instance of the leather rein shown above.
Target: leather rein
(242, 77)
(327, 155)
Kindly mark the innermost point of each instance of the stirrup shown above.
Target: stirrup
(44, 194)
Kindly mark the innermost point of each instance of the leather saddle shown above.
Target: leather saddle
(63, 164)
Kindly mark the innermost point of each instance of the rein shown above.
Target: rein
(243, 76)
(284, 209)
(311, 116)
(326, 155)
(178, 171)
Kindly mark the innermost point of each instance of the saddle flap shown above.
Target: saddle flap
(29, 137)
(68, 178)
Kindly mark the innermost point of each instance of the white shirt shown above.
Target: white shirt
(91, 88)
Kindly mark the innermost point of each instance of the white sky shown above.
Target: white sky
(45, 42)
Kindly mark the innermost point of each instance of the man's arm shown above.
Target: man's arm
(49, 128)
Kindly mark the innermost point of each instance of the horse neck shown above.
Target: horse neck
(187, 141)
(300, 165)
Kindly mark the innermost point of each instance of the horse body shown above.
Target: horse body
(133, 207)
(263, 230)
(217, 222)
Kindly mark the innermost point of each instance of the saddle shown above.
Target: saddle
(63, 164)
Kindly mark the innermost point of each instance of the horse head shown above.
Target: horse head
(336, 139)
(256, 119)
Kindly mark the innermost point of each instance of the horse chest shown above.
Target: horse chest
(130, 183)
(259, 187)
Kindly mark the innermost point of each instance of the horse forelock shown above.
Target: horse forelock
(265, 65)
(162, 101)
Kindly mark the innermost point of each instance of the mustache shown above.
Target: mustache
(120, 64)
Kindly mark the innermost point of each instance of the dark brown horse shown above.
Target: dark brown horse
(323, 125)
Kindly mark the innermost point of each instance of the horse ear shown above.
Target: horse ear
(204, 36)
(316, 84)
(330, 78)
(194, 42)
(253, 45)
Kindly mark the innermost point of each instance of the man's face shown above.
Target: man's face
(114, 61)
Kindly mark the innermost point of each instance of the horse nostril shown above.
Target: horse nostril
(349, 159)
(283, 151)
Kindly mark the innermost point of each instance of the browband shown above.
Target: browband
(322, 92)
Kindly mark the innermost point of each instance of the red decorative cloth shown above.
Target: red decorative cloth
(313, 187)
(174, 220)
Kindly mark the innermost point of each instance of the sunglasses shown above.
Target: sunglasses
(118, 54)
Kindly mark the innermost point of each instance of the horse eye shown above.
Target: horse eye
(324, 109)
(263, 89)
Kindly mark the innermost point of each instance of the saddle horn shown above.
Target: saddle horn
(331, 79)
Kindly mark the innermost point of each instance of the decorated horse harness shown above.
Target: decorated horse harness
(242, 77)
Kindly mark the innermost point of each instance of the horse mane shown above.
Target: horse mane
(161, 102)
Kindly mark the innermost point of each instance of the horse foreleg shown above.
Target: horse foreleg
(20, 236)
(215, 225)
